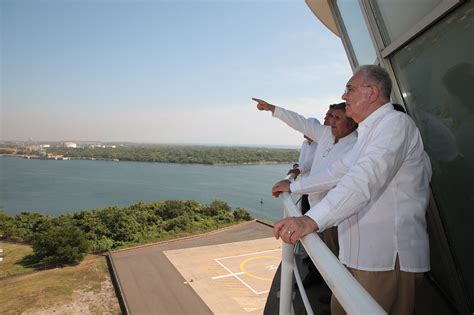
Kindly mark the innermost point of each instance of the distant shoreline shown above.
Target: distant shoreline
(57, 158)
(35, 157)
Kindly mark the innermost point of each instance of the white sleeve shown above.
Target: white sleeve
(376, 165)
(306, 157)
(300, 123)
(323, 180)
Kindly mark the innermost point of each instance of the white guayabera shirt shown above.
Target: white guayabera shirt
(381, 195)
(306, 158)
(326, 152)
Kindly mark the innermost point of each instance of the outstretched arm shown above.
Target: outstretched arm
(294, 120)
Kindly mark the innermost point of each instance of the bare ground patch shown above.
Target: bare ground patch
(85, 302)
(82, 289)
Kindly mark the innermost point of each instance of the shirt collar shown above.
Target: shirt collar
(375, 116)
(349, 137)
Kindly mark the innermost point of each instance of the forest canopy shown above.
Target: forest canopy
(183, 154)
(67, 238)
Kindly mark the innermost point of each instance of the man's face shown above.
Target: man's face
(357, 96)
(327, 118)
(340, 125)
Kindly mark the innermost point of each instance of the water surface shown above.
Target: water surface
(55, 187)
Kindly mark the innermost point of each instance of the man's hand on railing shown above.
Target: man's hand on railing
(291, 229)
(281, 186)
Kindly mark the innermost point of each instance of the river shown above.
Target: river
(56, 187)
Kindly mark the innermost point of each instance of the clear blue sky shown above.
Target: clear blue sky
(163, 71)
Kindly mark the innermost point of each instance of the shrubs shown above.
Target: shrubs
(67, 238)
(242, 215)
(60, 243)
(21, 227)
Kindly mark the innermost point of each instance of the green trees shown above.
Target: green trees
(6, 226)
(242, 215)
(215, 208)
(171, 209)
(21, 227)
(67, 238)
(60, 242)
(184, 154)
(121, 225)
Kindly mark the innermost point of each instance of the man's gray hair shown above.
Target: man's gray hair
(378, 76)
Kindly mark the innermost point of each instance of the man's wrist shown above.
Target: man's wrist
(289, 184)
(294, 186)
(312, 226)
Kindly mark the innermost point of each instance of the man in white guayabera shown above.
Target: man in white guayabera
(334, 141)
(305, 161)
(378, 200)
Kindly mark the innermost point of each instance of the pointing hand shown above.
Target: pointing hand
(262, 105)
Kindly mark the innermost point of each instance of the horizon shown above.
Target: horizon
(257, 145)
(164, 72)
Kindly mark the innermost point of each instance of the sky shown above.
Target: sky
(157, 71)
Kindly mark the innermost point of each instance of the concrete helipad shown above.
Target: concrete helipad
(232, 278)
(223, 272)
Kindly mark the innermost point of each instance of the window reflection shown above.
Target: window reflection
(436, 76)
(397, 17)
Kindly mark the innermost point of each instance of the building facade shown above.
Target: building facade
(427, 46)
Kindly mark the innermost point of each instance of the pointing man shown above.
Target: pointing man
(380, 198)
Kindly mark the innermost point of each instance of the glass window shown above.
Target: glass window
(397, 17)
(357, 31)
(436, 77)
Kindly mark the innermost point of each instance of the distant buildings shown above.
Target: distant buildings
(11, 147)
(37, 147)
(68, 144)
(87, 144)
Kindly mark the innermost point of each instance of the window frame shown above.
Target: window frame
(384, 53)
(345, 36)
(432, 17)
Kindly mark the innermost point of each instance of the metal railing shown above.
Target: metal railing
(350, 294)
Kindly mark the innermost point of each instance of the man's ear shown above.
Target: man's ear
(374, 93)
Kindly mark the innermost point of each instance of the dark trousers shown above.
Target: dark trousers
(305, 204)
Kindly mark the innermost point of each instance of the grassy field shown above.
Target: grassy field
(82, 289)
(14, 262)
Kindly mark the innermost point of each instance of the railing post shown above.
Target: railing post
(286, 281)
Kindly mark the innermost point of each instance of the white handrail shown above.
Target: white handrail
(350, 294)
(286, 281)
